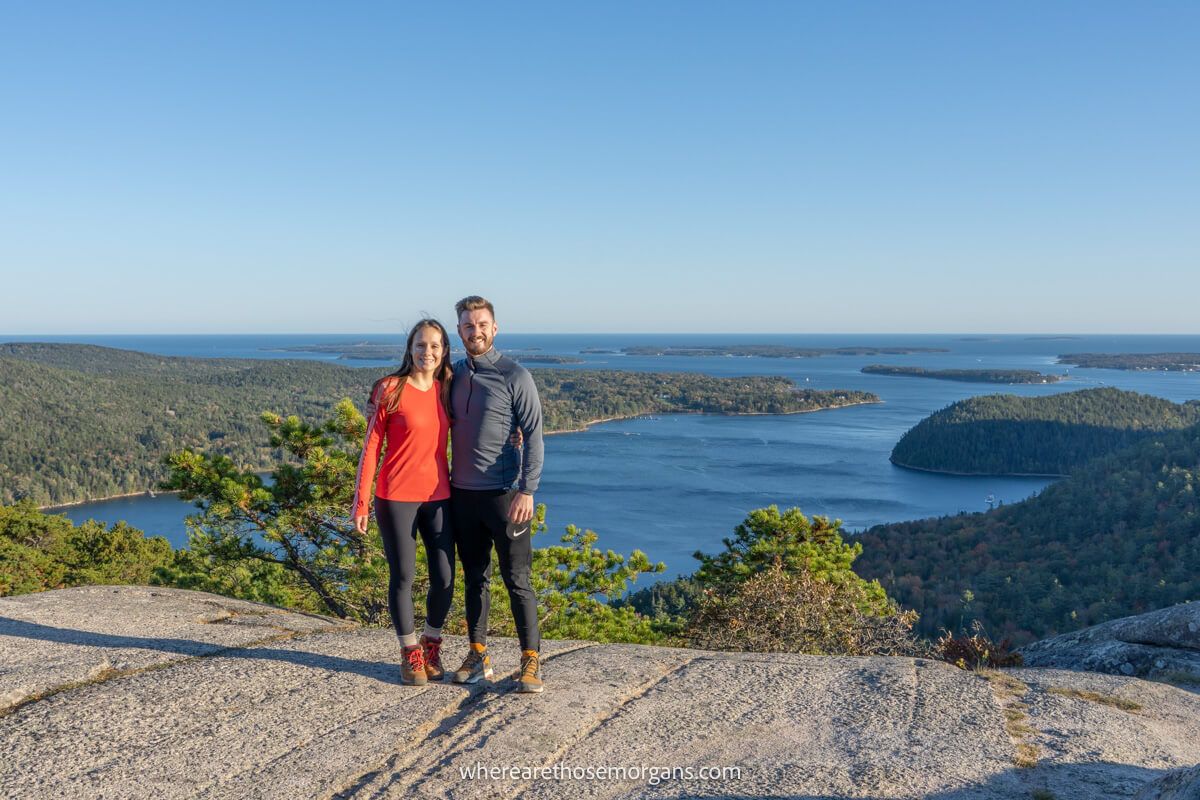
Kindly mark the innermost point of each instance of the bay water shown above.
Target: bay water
(675, 484)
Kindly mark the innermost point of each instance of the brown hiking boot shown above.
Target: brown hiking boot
(412, 668)
(475, 666)
(432, 650)
(529, 675)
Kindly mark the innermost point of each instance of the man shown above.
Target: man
(493, 397)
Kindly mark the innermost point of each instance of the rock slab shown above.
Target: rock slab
(131, 692)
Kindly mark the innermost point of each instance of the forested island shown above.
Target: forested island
(81, 422)
(362, 351)
(1004, 434)
(775, 351)
(1120, 536)
(544, 359)
(1171, 362)
(966, 375)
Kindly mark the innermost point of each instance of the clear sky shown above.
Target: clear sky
(606, 166)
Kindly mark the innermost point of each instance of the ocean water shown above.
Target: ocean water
(680, 483)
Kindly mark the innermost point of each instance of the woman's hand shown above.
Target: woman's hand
(360, 523)
(517, 439)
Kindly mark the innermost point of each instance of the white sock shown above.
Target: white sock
(408, 639)
(432, 633)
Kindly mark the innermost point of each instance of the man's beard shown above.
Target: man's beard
(478, 346)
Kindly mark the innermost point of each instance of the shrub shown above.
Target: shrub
(977, 650)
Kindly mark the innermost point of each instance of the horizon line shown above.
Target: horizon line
(402, 334)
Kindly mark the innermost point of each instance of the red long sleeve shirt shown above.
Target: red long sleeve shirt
(415, 468)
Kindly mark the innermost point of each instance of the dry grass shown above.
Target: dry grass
(1027, 755)
(1003, 683)
(1096, 697)
(1009, 691)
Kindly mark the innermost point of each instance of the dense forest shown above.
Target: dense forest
(1120, 536)
(1175, 362)
(80, 422)
(967, 375)
(1003, 434)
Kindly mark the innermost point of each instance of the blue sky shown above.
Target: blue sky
(616, 166)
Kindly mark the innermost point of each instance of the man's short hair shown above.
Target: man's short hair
(473, 303)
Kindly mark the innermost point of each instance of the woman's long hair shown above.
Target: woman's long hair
(390, 400)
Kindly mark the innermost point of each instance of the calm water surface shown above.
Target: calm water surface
(679, 483)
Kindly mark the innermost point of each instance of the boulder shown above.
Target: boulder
(1160, 645)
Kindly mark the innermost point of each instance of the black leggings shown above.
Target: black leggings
(480, 518)
(398, 524)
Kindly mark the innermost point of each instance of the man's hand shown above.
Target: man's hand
(360, 523)
(521, 510)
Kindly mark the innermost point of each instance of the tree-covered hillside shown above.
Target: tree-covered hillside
(80, 422)
(1120, 536)
(1004, 434)
(70, 434)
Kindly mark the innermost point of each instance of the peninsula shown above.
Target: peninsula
(1003, 434)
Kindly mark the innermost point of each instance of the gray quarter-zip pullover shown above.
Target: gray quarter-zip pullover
(490, 397)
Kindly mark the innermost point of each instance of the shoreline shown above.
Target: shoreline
(980, 474)
(142, 493)
(584, 429)
(592, 422)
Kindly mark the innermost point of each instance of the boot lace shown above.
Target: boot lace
(433, 652)
(529, 666)
(415, 659)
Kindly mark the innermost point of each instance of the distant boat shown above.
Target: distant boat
(150, 493)
(991, 501)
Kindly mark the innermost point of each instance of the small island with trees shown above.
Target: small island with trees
(966, 375)
(1170, 362)
(359, 351)
(538, 358)
(775, 351)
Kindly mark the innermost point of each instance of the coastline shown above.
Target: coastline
(980, 474)
(587, 425)
(142, 493)
(592, 422)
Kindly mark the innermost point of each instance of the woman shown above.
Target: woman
(409, 409)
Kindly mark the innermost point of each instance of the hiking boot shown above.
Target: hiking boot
(529, 675)
(475, 666)
(412, 668)
(432, 650)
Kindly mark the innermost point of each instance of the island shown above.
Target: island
(545, 359)
(1169, 362)
(1004, 434)
(593, 351)
(775, 351)
(967, 375)
(127, 410)
(365, 351)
